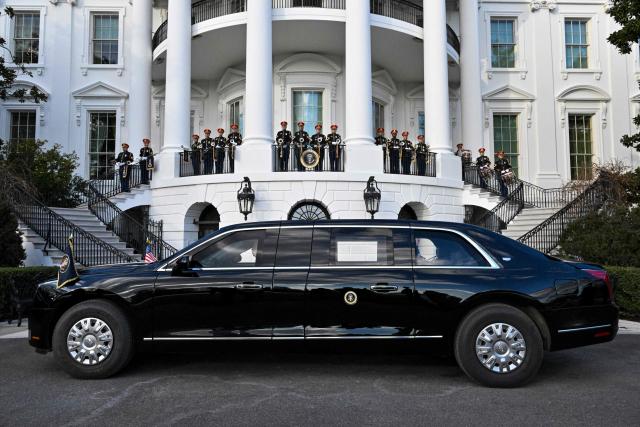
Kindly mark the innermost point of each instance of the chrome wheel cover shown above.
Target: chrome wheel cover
(90, 341)
(500, 348)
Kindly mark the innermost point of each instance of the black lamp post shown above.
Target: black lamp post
(372, 195)
(246, 197)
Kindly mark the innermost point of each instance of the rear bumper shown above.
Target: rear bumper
(580, 326)
(40, 328)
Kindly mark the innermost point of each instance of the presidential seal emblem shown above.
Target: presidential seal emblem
(309, 159)
(64, 264)
(350, 298)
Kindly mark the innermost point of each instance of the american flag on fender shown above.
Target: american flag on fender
(148, 254)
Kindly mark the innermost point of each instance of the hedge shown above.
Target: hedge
(627, 290)
(25, 278)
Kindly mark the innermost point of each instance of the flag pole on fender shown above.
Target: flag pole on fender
(67, 273)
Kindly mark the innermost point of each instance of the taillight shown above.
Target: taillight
(604, 276)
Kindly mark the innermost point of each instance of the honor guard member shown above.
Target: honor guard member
(394, 152)
(146, 161)
(482, 162)
(502, 165)
(124, 159)
(382, 142)
(301, 140)
(207, 144)
(283, 144)
(318, 142)
(334, 141)
(219, 150)
(196, 153)
(465, 155)
(406, 155)
(234, 139)
(422, 151)
(235, 136)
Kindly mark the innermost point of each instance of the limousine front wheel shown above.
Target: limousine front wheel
(93, 339)
(499, 346)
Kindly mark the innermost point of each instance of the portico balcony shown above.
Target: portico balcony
(402, 10)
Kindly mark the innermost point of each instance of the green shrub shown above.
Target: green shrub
(627, 290)
(12, 253)
(25, 278)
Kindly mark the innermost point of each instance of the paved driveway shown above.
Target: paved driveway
(274, 384)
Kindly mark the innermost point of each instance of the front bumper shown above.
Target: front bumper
(41, 322)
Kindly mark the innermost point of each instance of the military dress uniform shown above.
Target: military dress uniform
(394, 152)
(466, 159)
(422, 151)
(407, 154)
(146, 162)
(318, 142)
(234, 139)
(196, 153)
(501, 165)
(301, 140)
(220, 145)
(334, 141)
(283, 145)
(481, 162)
(382, 142)
(125, 158)
(207, 152)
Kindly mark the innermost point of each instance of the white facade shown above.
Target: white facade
(254, 54)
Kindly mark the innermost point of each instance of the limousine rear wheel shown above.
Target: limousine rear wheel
(93, 339)
(499, 345)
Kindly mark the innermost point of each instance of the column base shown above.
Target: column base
(449, 166)
(363, 158)
(254, 156)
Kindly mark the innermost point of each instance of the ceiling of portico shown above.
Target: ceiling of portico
(216, 51)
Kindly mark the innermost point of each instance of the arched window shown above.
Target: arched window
(308, 211)
(209, 221)
(407, 213)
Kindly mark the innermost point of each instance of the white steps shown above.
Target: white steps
(527, 220)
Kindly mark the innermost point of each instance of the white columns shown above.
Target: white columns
(255, 153)
(471, 95)
(436, 89)
(139, 111)
(177, 110)
(361, 154)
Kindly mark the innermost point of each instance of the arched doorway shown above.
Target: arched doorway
(407, 213)
(473, 213)
(308, 210)
(208, 222)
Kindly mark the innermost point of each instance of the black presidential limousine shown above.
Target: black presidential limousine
(497, 304)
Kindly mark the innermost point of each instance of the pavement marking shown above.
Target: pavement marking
(19, 334)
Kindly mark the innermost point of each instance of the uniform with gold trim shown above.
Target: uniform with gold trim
(382, 142)
(318, 142)
(334, 140)
(406, 154)
(300, 140)
(220, 148)
(394, 152)
(422, 153)
(207, 152)
(146, 161)
(482, 162)
(124, 158)
(196, 153)
(283, 145)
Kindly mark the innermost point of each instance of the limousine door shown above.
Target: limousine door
(223, 293)
(360, 283)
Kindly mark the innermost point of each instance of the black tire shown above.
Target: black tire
(123, 344)
(475, 322)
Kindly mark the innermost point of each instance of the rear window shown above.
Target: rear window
(443, 248)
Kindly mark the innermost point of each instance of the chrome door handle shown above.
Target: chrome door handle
(383, 288)
(248, 286)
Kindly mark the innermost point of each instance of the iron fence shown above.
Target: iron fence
(325, 4)
(504, 212)
(287, 159)
(201, 162)
(417, 167)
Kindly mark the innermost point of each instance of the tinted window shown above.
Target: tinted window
(252, 248)
(443, 248)
(353, 246)
(294, 247)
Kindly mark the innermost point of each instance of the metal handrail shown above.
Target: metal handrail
(546, 236)
(402, 10)
(128, 229)
(284, 161)
(504, 212)
(429, 167)
(89, 250)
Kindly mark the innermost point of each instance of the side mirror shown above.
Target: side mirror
(183, 264)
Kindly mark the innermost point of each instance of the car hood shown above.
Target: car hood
(119, 269)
